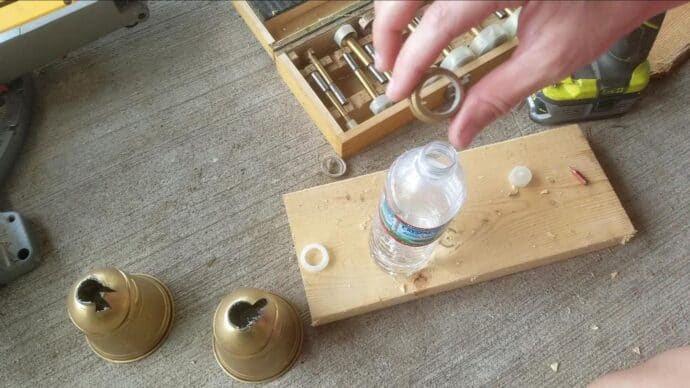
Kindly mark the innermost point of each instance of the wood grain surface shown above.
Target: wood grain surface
(165, 149)
(497, 232)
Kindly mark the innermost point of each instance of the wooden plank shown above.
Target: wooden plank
(494, 235)
(672, 46)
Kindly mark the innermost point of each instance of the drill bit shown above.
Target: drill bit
(327, 78)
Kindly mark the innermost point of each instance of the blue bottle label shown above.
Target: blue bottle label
(405, 233)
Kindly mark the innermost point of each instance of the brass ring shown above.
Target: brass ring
(425, 114)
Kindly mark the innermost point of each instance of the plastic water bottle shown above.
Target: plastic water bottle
(423, 192)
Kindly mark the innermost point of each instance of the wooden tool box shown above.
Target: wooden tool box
(311, 25)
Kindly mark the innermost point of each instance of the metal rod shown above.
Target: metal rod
(501, 14)
(379, 76)
(362, 55)
(322, 70)
(321, 83)
(360, 75)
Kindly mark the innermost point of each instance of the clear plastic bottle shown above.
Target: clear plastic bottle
(423, 192)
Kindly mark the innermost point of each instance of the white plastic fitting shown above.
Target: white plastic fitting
(342, 32)
(510, 25)
(380, 103)
(318, 267)
(489, 38)
(520, 176)
(458, 57)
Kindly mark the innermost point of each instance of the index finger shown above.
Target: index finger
(442, 21)
(390, 21)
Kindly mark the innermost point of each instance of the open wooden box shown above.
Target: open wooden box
(311, 25)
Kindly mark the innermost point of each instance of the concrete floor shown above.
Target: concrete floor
(165, 148)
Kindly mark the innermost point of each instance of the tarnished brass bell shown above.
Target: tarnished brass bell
(124, 317)
(257, 335)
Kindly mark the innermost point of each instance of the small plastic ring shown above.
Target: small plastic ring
(333, 166)
(323, 263)
(425, 114)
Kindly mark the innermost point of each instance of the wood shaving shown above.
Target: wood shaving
(498, 213)
(550, 179)
(636, 350)
(594, 327)
(513, 192)
(403, 288)
(550, 235)
(544, 192)
(614, 274)
(554, 366)
(626, 238)
(473, 279)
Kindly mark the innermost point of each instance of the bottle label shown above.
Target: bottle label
(405, 233)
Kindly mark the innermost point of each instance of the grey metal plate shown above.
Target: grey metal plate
(17, 251)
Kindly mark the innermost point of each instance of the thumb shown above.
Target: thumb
(497, 93)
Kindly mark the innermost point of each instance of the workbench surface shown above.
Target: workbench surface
(165, 149)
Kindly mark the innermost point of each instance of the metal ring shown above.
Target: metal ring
(328, 164)
(425, 114)
(318, 267)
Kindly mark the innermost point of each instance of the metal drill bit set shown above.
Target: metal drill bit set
(345, 77)
(323, 51)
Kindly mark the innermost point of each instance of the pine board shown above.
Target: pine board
(672, 46)
(494, 235)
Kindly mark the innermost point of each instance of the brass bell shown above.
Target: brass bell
(257, 335)
(124, 317)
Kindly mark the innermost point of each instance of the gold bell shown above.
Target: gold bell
(257, 335)
(124, 317)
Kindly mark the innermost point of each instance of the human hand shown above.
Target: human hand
(668, 369)
(556, 38)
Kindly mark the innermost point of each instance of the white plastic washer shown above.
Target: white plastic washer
(520, 176)
(342, 32)
(323, 263)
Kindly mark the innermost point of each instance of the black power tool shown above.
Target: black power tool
(607, 87)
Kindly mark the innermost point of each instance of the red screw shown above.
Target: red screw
(578, 175)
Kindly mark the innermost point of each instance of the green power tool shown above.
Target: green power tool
(607, 87)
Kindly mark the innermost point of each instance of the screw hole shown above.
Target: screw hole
(10, 219)
(23, 254)
(142, 16)
(243, 314)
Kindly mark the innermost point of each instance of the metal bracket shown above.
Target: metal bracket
(17, 250)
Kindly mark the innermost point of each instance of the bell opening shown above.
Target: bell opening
(243, 315)
(91, 291)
